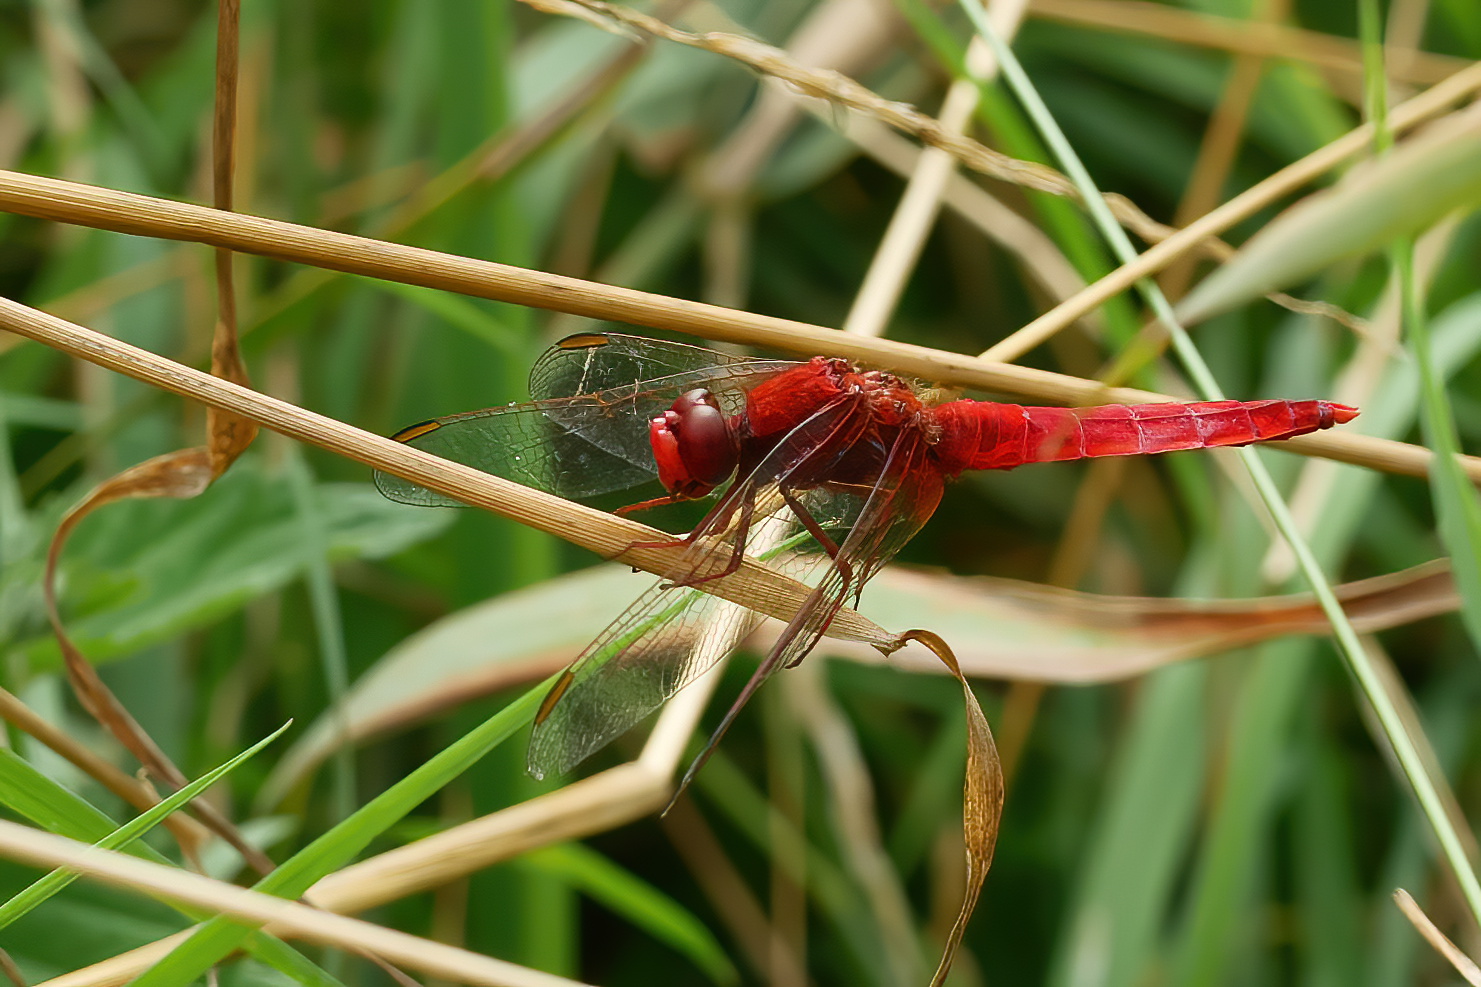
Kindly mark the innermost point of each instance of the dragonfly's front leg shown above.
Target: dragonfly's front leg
(745, 515)
(718, 519)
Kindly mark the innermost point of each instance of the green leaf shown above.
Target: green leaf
(637, 901)
(139, 573)
(1404, 192)
(1457, 505)
(130, 831)
(212, 942)
(33, 795)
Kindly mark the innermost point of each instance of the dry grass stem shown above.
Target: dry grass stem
(283, 917)
(840, 90)
(900, 247)
(1463, 964)
(142, 215)
(730, 896)
(1264, 193)
(119, 970)
(756, 586)
(1040, 257)
(587, 806)
(1257, 38)
(590, 805)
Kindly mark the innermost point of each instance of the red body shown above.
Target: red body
(981, 435)
(961, 435)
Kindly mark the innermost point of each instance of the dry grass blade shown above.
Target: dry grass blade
(1254, 38)
(754, 585)
(1463, 964)
(177, 475)
(1005, 629)
(125, 212)
(1427, 176)
(1357, 141)
(982, 798)
(591, 805)
(727, 892)
(1028, 632)
(840, 90)
(283, 917)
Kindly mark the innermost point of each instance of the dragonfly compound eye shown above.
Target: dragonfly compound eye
(694, 445)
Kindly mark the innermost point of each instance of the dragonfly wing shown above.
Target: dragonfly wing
(675, 631)
(666, 639)
(586, 432)
(590, 362)
(527, 444)
(635, 379)
(879, 520)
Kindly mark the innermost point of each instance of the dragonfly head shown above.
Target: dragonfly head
(694, 445)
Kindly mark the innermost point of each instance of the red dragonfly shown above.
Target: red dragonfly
(854, 456)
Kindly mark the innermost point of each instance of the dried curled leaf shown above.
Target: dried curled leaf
(982, 798)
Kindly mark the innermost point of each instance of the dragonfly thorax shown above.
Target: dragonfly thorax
(694, 445)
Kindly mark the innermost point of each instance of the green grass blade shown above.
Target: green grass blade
(1457, 505)
(212, 942)
(1348, 643)
(55, 881)
(639, 902)
(31, 794)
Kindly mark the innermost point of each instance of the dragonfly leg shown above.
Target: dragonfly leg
(644, 505)
(810, 523)
(717, 518)
(762, 673)
(737, 550)
(769, 664)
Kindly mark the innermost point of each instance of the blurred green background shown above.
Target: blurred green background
(1222, 822)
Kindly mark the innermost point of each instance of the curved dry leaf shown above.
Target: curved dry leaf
(982, 798)
(1005, 629)
(1002, 628)
(179, 475)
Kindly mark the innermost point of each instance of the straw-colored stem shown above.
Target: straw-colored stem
(125, 212)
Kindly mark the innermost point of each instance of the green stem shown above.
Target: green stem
(1349, 646)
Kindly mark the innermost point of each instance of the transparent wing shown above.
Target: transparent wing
(667, 638)
(591, 439)
(674, 632)
(888, 514)
(591, 362)
(884, 516)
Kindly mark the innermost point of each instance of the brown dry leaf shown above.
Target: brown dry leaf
(176, 474)
(982, 798)
(227, 434)
(1003, 629)
(1021, 631)
(180, 475)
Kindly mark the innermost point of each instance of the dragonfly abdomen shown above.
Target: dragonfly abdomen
(986, 435)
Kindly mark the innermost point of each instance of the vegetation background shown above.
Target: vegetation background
(1228, 820)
